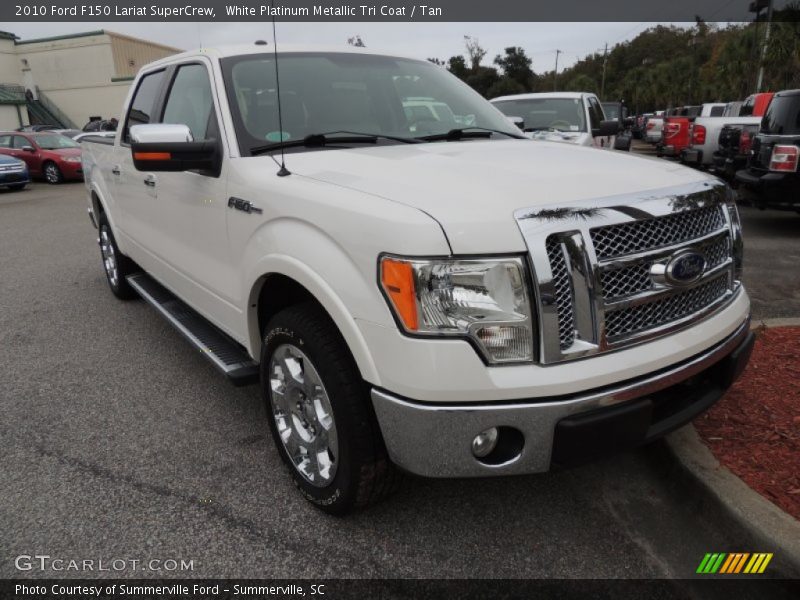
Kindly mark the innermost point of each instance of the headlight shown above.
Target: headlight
(72, 159)
(485, 300)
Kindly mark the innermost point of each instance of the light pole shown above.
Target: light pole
(555, 73)
(764, 48)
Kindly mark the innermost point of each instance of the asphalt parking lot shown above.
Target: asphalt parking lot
(118, 441)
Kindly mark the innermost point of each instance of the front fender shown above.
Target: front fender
(325, 294)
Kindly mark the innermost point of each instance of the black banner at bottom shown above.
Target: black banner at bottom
(723, 588)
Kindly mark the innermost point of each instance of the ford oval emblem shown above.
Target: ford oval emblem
(685, 268)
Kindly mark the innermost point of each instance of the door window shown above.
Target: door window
(595, 113)
(5, 141)
(141, 109)
(190, 102)
(20, 142)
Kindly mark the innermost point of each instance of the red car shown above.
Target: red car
(49, 155)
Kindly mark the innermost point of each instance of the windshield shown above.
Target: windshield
(563, 114)
(323, 93)
(782, 116)
(55, 142)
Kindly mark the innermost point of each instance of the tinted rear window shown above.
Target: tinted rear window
(782, 116)
(716, 111)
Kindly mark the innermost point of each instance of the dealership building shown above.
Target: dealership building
(69, 79)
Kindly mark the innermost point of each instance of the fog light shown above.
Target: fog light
(484, 442)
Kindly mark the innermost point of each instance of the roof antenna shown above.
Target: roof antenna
(283, 171)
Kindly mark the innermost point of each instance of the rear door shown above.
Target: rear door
(136, 209)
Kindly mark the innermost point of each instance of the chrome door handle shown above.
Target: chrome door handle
(150, 181)
(115, 170)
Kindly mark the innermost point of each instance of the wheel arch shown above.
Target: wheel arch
(292, 284)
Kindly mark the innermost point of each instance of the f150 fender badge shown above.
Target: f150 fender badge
(243, 205)
(683, 268)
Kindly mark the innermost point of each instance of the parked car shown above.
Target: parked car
(652, 128)
(705, 134)
(70, 133)
(772, 168)
(732, 109)
(756, 104)
(29, 128)
(675, 133)
(455, 304)
(733, 149)
(96, 134)
(639, 126)
(101, 125)
(52, 156)
(736, 135)
(13, 173)
(572, 117)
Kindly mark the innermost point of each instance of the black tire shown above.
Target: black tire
(52, 174)
(364, 474)
(122, 265)
(17, 186)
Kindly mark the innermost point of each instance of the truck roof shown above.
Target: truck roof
(533, 96)
(224, 51)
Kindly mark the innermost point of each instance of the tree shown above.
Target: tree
(458, 67)
(475, 52)
(482, 80)
(516, 65)
(437, 62)
(505, 86)
(580, 83)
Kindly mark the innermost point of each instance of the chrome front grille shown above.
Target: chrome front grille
(647, 234)
(635, 278)
(666, 310)
(563, 291)
(598, 267)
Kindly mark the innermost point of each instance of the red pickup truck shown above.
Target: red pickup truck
(675, 134)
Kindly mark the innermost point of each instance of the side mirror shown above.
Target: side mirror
(166, 147)
(606, 128)
(28, 149)
(622, 142)
(518, 121)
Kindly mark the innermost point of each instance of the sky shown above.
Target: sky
(419, 40)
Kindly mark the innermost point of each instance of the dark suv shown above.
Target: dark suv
(772, 166)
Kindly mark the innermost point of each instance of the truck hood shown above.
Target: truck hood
(472, 188)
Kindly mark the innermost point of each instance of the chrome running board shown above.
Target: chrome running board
(224, 353)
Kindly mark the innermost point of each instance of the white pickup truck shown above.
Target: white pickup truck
(450, 301)
(572, 117)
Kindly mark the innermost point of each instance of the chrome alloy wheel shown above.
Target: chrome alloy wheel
(109, 258)
(51, 173)
(303, 415)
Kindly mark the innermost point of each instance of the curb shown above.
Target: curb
(770, 323)
(767, 525)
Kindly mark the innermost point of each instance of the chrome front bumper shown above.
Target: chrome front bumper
(434, 440)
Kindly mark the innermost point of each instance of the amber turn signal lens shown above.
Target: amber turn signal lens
(152, 156)
(397, 278)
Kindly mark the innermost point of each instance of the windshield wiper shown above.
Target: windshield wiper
(332, 137)
(467, 132)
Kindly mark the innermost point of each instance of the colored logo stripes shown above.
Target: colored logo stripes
(735, 562)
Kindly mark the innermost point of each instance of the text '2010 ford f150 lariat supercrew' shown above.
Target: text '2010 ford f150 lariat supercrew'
(420, 291)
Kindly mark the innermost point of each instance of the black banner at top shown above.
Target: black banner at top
(398, 10)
